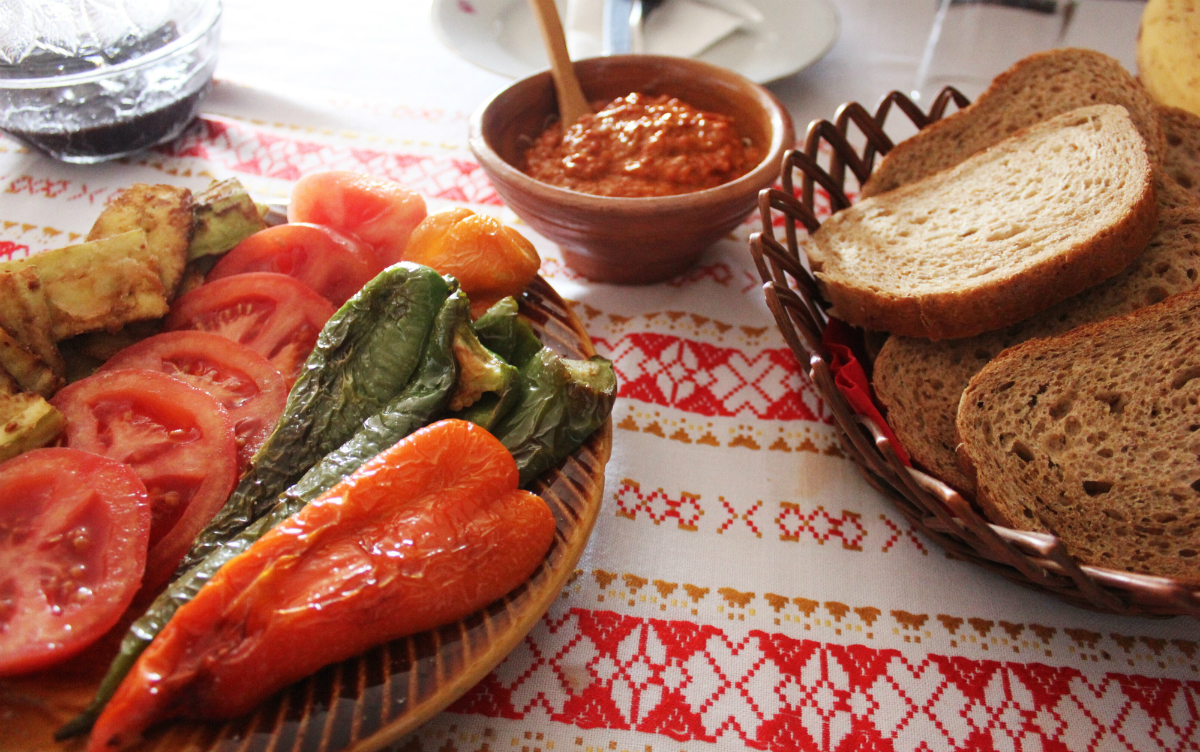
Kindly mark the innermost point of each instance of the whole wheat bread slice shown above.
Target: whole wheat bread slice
(1011, 231)
(1036, 88)
(1094, 436)
(1181, 159)
(920, 382)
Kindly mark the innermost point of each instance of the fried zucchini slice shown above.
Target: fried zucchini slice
(224, 215)
(25, 314)
(27, 421)
(30, 372)
(101, 284)
(164, 213)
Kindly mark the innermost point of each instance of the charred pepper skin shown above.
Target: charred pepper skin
(425, 396)
(561, 403)
(553, 404)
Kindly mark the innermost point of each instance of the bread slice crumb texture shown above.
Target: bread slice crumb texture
(920, 381)
(1182, 157)
(1009, 232)
(1095, 436)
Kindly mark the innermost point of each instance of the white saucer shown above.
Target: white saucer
(502, 36)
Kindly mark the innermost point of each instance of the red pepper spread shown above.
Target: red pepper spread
(641, 145)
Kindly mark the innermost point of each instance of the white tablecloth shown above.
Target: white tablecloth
(744, 587)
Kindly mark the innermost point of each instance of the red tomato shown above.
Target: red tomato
(73, 532)
(381, 212)
(272, 314)
(177, 439)
(251, 390)
(332, 263)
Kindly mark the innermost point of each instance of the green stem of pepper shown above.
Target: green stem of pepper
(505, 333)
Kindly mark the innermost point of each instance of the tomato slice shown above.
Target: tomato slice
(381, 212)
(272, 314)
(332, 263)
(251, 390)
(178, 440)
(73, 532)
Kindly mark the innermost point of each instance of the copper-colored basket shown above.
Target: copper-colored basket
(1036, 560)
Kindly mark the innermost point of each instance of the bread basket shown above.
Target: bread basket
(1035, 560)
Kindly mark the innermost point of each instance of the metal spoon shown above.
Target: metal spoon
(624, 25)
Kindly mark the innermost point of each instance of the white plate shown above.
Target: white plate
(502, 36)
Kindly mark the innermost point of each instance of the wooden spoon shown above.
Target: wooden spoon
(571, 103)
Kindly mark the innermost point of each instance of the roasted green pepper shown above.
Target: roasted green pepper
(426, 395)
(505, 333)
(364, 356)
(561, 403)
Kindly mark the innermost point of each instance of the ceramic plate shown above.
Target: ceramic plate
(502, 36)
(368, 702)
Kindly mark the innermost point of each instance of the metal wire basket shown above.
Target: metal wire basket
(1036, 560)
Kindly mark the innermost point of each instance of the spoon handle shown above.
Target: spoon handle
(571, 103)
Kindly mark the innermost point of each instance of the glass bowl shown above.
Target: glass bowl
(87, 87)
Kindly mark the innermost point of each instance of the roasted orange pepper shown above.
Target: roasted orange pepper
(490, 260)
(426, 533)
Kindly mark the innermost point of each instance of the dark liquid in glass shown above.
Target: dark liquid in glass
(122, 136)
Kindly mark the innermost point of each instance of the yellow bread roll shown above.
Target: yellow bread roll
(1168, 52)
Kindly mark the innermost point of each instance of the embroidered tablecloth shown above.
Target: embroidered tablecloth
(744, 587)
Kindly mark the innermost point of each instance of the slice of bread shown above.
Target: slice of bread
(1093, 436)
(1182, 157)
(920, 382)
(1048, 212)
(1036, 88)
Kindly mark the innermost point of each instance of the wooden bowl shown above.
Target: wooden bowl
(630, 240)
(367, 702)
(1035, 560)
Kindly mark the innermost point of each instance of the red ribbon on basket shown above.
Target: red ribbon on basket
(851, 380)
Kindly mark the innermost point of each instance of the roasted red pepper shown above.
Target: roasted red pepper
(424, 534)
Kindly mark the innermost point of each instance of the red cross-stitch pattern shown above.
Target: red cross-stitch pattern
(38, 186)
(68, 190)
(896, 533)
(701, 378)
(746, 516)
(688, 681)
(243, 149)
(719, 272)
(659, 507)
(791, 523)
(820, 525)
(10, 250)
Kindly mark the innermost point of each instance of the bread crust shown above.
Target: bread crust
(1034, 89)
(848, 249)
(1093, 436)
